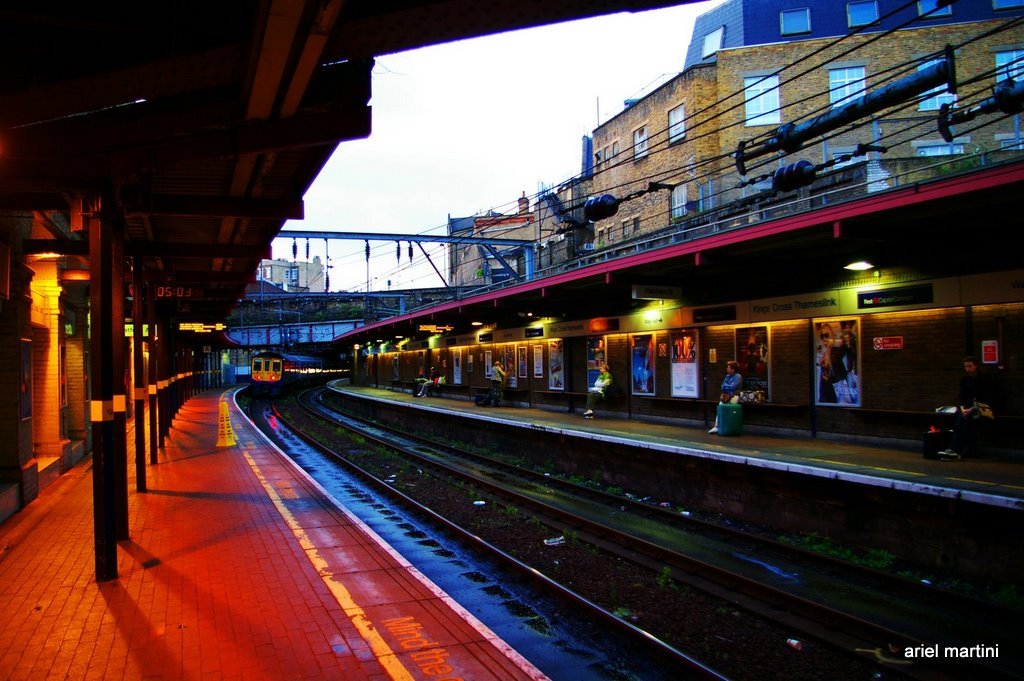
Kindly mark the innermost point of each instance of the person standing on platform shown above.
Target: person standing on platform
(598, 391)
(973, 402)
(731, 384)
(497, 383)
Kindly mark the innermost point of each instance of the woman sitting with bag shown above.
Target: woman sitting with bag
(731, 385)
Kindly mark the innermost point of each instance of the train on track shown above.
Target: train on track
(270, 372)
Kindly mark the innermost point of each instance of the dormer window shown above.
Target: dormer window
(712, 42)
(795, 21)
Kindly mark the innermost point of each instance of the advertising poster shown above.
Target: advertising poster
(457, 366)
(836, 369)
(685, 377)
(643, 364)
(521, 359)
(595, 358)
(538, 361)
(752, 354)
(556, 377)
(508, 363)
(394, 365)
(488, 364)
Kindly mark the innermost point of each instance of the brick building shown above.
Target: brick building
(753, 66)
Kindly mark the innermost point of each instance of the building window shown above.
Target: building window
(678, 202)
(931, 8)
(937, 96)
(625, 229)
(640, 142)
(1011, 144)
(676, 124)
(615, 149)
(1007, 4)
(712, 42)
(598, 157)
(862, 13)
(762, 100)
(1010, 64)
(845, 84)
(793, 21)
(938, 148)
(636, 225)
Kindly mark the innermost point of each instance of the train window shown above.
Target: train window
(257, 365)
(277, 365)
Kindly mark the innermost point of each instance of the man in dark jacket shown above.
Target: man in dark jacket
(974, 390)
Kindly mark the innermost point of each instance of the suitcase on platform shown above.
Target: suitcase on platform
(730, 419)
(935, 441)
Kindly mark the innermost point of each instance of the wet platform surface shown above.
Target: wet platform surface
(239, 567)
(997, 480)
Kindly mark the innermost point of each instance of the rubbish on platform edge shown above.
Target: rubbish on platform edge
(555, 541)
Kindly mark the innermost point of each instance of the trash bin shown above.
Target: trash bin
(936, 441)
(730, 419)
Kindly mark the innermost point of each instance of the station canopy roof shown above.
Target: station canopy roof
(204, 123)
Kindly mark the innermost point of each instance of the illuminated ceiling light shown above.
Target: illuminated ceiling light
(859, 266)
(476, 323)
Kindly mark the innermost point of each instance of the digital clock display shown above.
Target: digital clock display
(170, 291)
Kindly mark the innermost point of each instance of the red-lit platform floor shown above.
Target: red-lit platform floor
(238, 567)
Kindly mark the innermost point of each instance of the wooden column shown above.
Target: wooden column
(155, 343)
(138, 337)
(101, 293)
(120, 396)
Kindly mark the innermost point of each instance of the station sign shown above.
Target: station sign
(649, 292)
(435, 328)
(199, 327)
(887, 343)
(895, 297)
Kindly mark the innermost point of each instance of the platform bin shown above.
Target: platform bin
(935, 441)
(730, 419)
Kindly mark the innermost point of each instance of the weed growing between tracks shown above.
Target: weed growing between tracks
(722, 636)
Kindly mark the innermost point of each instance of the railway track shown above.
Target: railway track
(871, 616)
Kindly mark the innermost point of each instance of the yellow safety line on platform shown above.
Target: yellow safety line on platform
(896, 470)
(381, 650)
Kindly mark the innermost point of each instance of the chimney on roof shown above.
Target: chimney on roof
(524, 204)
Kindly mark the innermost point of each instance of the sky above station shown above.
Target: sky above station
(467, 127)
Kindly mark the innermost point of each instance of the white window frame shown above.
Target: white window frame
(678, 200)
(860, 3)
(936, 97)
(640, 140)
(1009, 64)
(762, 100)
(712, 42)
(938, 148)
(924, 6)
(793, 12)
(676, 124)
(846, 84)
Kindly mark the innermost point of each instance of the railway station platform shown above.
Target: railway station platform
(239, 566)
(994, 480)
